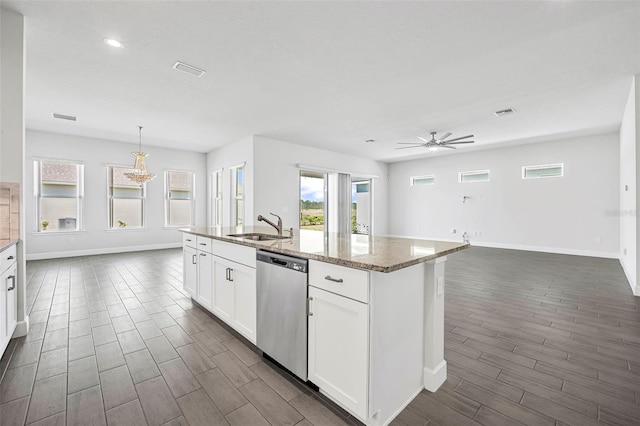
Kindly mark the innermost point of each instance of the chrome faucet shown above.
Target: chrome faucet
(278, 226)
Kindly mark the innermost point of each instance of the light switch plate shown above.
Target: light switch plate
(440, 289)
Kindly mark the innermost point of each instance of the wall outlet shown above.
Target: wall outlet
(598, 240)
(453, 231)
(477, 233)
(440, 289)
(626, 187)
(624, 251)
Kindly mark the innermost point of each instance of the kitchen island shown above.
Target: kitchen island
(376, 308)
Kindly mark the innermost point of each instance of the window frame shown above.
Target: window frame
(542, 166)
(217, 196)
(234, 194)
(110, 197)
(37, 192)
(167, 198)
(476, 172)
(412, 180)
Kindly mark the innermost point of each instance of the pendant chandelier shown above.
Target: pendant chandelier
(139, 174)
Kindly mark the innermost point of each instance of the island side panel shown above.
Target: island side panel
(435, 367)
(397, 341)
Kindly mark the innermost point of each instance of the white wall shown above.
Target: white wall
(629, 141)
(277, 185)
(12, 150)
(563, 215)
(222, 159)
(97, 154)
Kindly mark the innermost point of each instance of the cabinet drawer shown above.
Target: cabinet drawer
(7, 258)
(203, 243)
(348, 282)
(188, 240)
(235, 252)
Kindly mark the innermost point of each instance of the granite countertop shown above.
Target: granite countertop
(6, 243)
(377, 253)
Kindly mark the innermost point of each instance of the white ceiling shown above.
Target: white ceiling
(330, 74)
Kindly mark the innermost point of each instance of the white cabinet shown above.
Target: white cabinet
(221, 277)
(190, 270)
(339, 348)
(8, 296)
(235, 300)
(205, 279)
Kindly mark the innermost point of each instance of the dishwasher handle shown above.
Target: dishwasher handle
(278, 261)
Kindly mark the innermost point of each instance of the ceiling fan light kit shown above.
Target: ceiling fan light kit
(433, 144)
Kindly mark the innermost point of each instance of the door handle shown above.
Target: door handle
(335, 280)
(13, 282)
(193, 260)
(309, 313)
(230, 276)
(226, 274)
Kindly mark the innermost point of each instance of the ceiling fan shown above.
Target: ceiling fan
(433, 143)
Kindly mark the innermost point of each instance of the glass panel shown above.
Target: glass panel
(534, 172)
(59, 190)
(480, 176)
(126, 213)
(180, 195)
(239, 181)
(179, 212)
(239, 212)
(127, 192)
(423, 180)
(219, 185)
(312, 198)
(58, 214)
(218, 212)
(360, 208)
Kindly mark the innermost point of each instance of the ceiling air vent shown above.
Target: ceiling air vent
(64, 117)
(181, 66)
(504, 112)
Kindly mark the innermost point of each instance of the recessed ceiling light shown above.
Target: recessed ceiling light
(369, 141)
(503, 112)
(189, 69)
(113, 42)
(64, 117)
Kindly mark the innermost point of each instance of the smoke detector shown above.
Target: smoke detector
(503, 112)
(189, 69)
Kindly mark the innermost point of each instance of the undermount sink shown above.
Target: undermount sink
(255, 236)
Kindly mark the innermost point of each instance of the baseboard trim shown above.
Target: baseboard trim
(433, 379)
(555, 250)
(93, 252)
(22, 328)
(635, 288)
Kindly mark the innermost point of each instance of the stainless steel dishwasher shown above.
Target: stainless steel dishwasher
(282, 310)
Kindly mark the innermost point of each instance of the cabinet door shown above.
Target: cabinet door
(222, 290)
(190, 270)
(12, 300)
(244, 303)
(205, 280)
(3, 304)
(339, 348)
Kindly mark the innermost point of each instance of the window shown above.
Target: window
(313, 189)
(179, 198)
(360, 205)
(216, 198)
(423, 180)
(59, 193)
(543, 171)
(237, 189)
(473, 176)
(126, 199)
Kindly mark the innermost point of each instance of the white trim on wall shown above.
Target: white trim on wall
(93, 252)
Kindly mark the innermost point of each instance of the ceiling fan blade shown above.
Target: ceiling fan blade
(423, 139)
(457, 139)
(446, 146)
(443, 137)
(455, 143)
(406, 147)
(409, 143)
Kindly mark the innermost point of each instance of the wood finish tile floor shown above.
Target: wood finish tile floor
(530, 338)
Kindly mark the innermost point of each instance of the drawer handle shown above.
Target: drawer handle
(10, 258)
(203, 254)
(203, 244)
(187, 239)
(335, 280)
(13, 282)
